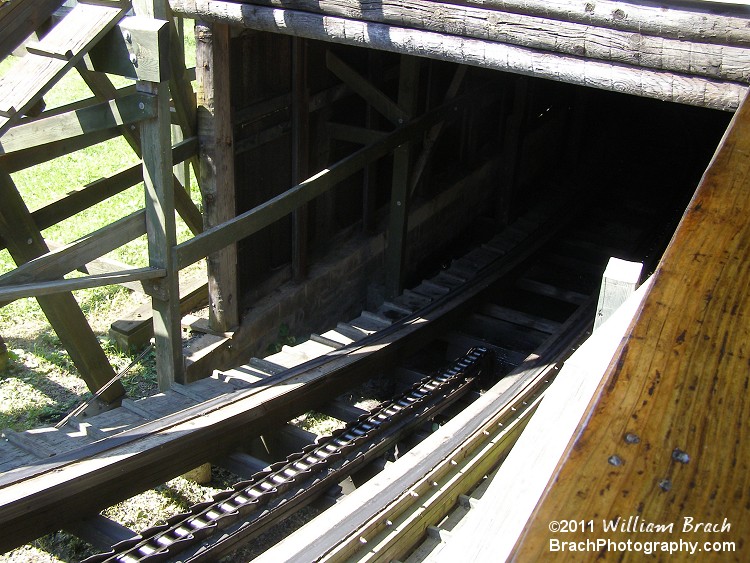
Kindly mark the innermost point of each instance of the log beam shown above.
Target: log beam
(660, 84)
(216, 138)
(485, 21)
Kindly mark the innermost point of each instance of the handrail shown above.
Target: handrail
(261, 216)
(13, 292)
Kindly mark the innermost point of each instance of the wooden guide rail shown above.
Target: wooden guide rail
(678, 385)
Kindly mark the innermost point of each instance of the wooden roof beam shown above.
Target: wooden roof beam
(617, 77)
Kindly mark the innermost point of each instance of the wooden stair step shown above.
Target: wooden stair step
(266, 366)
(28, 443)
(431, 289)
(461, 342)
(12, 456)
(369, 324)
(464, 268)
(100, 531)
(502, 332)
(337, 336)
(341, 410)
(241, 376)
(350, 332)
(161, 404)
(448, 279)
(412, 300)
(114, 421)
(242, 464)
(286, 358)
(335, 344)
(310, 349)
(482, 257)
(66, 43)
(393, 311)
(519, 318)
(548, 290)
(85, 427)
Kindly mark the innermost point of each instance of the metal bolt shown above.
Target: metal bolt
(398, 204)
(141, 106)
(133, 59)
(615, 460)
(128, 37)
(29, 241)
(665, 485)
(679, 455)
(631, 438)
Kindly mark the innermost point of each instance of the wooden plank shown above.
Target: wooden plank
(70, 257)
(18, 291)
(485, 21)
(102, 467)
(21, 18)
(270, 211)
(660, 84)
(25, 243)
(619, 282)
(300, 155)
(62, 127)
(217, 184)
(33, 75)
(398, 216)
(135, 329)
(515, 489)
(677, 382)
(359, 84)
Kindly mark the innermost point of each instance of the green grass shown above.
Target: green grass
(40, 383)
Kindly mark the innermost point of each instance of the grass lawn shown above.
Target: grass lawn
(40, 384)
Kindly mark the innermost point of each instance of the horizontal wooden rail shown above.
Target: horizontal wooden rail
(274, 209)
(572, 38)
(68, 258)
(62, 127)
(101, 189)
(604, 75)
(13, 292)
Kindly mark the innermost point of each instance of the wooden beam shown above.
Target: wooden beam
(619, 281)
(158, 180)
(660, 84)
(270, 211)
(215, 131)
(137, 48)
(398, 218)
(102, 116)
(25, 243)
(70, 257)
(300, 151)
(11, 292)
(673, 404)
(632, 47)
(21, 18)
(366, 89)
(99, 190)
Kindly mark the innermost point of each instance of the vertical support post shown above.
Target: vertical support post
(399, 208)
(160, 228)
(216, 138)
(158, 181)
(300, 149)
(369, 187)
(619, 282)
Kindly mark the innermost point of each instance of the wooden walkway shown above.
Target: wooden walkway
(666, 438)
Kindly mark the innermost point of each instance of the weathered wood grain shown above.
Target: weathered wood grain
(216, 137)
(21, 18)
(679, 383)
(659, 84)
(631, 47)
